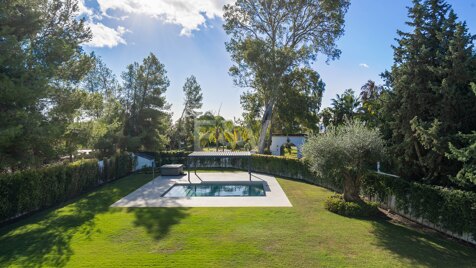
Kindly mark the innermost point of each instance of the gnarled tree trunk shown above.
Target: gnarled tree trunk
(351, 189)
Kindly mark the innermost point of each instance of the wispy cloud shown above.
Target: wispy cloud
(189, 14)
(364, 65)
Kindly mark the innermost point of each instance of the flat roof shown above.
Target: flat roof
(220, 154)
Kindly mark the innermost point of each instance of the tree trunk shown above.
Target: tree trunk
(265, 122)
(351, 189)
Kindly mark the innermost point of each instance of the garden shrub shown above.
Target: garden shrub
(26, 191)
(451, 209)
(337, 204)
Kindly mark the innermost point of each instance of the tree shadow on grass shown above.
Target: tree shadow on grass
(419, 248)
(44, 238)
(158, 221)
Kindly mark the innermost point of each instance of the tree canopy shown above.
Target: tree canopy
(344, 154)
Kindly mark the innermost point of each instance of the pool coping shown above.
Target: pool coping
(150, 194)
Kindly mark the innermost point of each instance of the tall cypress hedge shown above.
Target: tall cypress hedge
(30, 190)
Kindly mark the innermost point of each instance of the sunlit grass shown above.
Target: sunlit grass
(88, 233)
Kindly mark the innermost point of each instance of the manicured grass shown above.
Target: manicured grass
(87, 233)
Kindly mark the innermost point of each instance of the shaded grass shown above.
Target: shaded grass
(88, 233)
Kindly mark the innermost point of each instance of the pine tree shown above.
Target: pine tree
(193, 101)
(40, 57)
(431, 99)
(147, 115)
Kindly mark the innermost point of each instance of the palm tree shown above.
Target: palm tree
(345, 106)
(214, 133)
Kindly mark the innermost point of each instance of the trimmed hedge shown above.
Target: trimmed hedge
(30, 190)
(450, 209)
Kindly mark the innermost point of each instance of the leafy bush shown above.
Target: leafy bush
(337, 204)
(26, 191)
(451, 209)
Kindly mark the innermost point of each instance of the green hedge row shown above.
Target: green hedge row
(450, 209)
(26, 191)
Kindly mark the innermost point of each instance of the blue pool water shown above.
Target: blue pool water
(219, 189)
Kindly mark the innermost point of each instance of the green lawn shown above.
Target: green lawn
(88, 233)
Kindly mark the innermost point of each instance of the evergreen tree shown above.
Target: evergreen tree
(192, 102)
(431, 99)
(40, 57)
(147, 116)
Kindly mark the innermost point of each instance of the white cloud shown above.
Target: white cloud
(104, 36)
(189, 14)
(363, 65)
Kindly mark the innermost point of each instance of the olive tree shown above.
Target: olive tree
(345, 154)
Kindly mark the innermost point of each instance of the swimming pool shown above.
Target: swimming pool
(215, 189)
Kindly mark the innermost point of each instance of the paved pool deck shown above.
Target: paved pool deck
(150, 194)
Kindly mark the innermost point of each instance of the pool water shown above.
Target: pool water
(221, 189)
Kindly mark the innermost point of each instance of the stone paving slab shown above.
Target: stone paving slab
(150, 195)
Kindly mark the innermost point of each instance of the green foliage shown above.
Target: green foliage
(451, 209)
(298, 106)
(30, 190)
(466, 177)
(431, 99)
(344, 155)
(337, 204)
(147, 118)
(373, 97)
(344, 107)
(182, 136)
(40, 58)
(466, 154)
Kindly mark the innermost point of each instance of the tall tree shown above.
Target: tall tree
(431, 99)
(103, 107)
(192, 102)
(40, 56)
(271, 38)
(147, 115)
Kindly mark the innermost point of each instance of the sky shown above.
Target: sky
(188, 38)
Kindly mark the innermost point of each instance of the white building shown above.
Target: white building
(279, 140)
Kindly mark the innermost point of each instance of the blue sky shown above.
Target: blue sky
(188, 38)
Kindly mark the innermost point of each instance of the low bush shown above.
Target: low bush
(30, 190)
(337, 205)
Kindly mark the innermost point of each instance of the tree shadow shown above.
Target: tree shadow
(420, 248)
(157, 221)
(43, 239)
